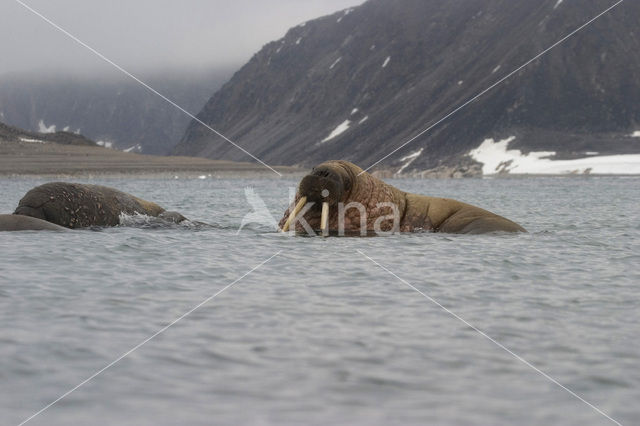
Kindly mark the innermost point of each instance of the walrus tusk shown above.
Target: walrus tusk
(324, 219)
(294, 213)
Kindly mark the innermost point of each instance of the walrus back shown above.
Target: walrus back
(469, 219)
(452, 216)
(74, 205)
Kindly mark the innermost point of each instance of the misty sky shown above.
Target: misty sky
(147, 35)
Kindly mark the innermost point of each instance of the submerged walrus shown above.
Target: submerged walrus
(75, 205)
(16, 222)
(337, 196)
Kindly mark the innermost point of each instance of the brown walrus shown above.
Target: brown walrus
(75, 205)
(356, 202)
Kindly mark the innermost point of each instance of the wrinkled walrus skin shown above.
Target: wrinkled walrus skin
(346, 183)
(16, 222)
(75, 205)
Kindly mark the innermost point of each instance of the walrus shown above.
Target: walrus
(338, 196)
(74, 205)
(16, 222)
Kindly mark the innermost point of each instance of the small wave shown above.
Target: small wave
(251, 227)
(144, 221)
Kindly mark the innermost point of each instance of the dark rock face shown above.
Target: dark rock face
(10, 133)
(115, 110)
(388, 69)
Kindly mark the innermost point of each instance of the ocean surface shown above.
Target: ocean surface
(281, 330)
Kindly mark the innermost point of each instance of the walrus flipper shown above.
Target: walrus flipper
(174, 217)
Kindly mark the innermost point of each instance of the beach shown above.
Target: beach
(20, 158)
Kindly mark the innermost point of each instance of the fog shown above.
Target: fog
(146, 36)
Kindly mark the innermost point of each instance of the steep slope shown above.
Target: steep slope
(357, 84)
(114, 110)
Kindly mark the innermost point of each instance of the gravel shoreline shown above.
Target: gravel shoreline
(52, 159)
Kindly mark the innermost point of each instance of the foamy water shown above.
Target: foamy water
(320, 334)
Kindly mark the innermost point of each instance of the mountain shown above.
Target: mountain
(116, 111)
(357, 84)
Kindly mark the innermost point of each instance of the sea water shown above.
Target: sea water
(190, 325)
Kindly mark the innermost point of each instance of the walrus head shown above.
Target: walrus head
(328, 194)
(329, 182)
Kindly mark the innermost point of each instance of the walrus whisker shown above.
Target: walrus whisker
(324, 219)
(294, 213)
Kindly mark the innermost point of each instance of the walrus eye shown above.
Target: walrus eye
(322, 185)
(322, 173)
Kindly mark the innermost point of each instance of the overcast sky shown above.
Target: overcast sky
(145, 35)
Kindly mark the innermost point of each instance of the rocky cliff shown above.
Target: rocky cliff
(357, 84)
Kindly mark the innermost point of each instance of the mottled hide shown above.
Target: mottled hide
(74, 205)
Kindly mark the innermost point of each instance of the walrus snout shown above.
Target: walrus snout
(322, 185)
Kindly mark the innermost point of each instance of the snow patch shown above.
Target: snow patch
(366, 117)
(302, 25)
(105, 144)
(346, 12)
(591, 153)
(134, 148)
(497, 158)
(495, 70)
(66, 129)
(342, 127)
(386, 61)
(335, 62)
(373, 47)
(460, 82)
(353, 111)
(42, 128)
(298, 40)
(635, 134)
(409, 159)
(558, 4)
(32, 140)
